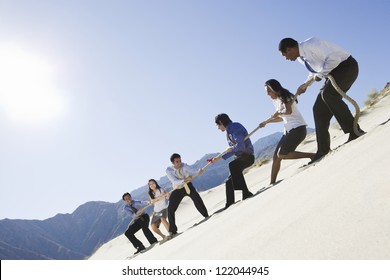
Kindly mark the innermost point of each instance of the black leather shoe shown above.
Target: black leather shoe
(227, 205)
(140, 249)
(353, 135)
(317, 157)
(246, 195)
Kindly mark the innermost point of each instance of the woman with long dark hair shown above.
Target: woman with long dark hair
(160, 207)
(294, 126)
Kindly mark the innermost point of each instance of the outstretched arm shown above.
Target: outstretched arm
(302, 88)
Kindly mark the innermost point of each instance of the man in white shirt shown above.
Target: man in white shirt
(180, 174)
(323, 58)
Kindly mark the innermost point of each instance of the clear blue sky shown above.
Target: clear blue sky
(96, 95)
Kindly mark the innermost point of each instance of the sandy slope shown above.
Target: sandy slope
(336, 209)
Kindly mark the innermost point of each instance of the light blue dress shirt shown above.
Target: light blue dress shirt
(138, 204)
(185, 170)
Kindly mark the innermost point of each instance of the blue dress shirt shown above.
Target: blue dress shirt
(236, 134)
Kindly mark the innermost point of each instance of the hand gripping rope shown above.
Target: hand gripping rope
(339, 90)
(307, 84)
(140, 211)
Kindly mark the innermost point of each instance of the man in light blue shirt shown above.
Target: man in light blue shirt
(323, 58)
(139, 221)
(242, 149)
(181, 174)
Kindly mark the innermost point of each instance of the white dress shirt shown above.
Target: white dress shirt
(185, 170)
(321, 55)
(162, 203)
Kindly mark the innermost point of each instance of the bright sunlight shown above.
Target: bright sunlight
(28, 94)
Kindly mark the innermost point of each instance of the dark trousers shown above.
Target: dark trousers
(174, 201)
(141, 223)
(290, 140)
(236, 180)
(329, 103)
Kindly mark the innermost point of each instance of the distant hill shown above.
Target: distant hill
(77, 235)
(64, 236)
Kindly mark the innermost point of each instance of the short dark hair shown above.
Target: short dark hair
(287, 43)
(174, 156)
(125, 194)
(224, 119)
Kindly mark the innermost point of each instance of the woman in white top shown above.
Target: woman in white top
(158, 198)
(294, 126)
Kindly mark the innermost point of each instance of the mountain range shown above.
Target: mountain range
(77, 235)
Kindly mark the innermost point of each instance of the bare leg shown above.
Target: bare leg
(291, 155)
(165, 223)
(275, 169)
(157, 230)
(296, 155)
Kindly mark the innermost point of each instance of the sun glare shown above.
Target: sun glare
(28, 93)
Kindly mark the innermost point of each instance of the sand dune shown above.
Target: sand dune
(337, 209)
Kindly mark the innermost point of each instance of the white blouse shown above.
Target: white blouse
(162, 203)
(291, 121)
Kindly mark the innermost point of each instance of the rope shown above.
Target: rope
(257, 128)
(140, 211)
(340, 91)
(307, 83)
(343, 94)
(354, 103)
(194, 176)
(221, 154)
(204, 168)
(163, 195)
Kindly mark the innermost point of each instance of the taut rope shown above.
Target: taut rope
(354, 103)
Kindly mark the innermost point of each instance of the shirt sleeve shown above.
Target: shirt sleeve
(323, 56)
(128, 210)
(162, 191)
(189, 169)
(238, 138)
(173, 178)
(143, 203)
(238, 135)
(330, 63)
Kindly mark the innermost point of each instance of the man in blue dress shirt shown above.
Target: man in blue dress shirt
(242, 149)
